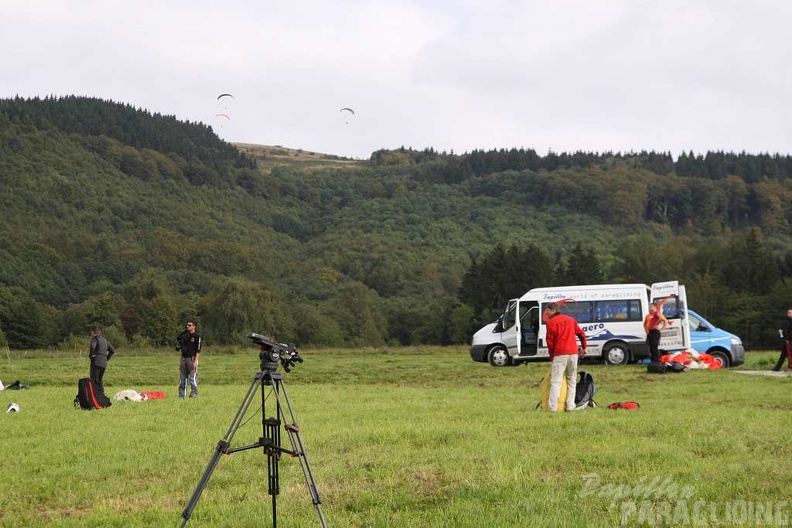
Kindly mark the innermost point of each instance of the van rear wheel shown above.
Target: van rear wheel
(499, 357)
(615, 354)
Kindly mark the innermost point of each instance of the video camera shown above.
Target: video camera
(271, 352)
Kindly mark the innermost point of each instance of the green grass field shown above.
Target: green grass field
(417, 437)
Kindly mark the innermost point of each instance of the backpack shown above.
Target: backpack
(656, 367)
(584, 390)
(89, 397)
(675, 367)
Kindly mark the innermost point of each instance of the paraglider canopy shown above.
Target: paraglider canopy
(224, 95)
(222, 117)
(347, 109)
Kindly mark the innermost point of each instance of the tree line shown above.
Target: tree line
(712, 165)
(137, 221)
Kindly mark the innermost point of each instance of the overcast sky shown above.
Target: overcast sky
(561, 75)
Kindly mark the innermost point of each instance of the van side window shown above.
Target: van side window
(580, 311)
(529, 316)
(509, 318)
(634, 311)
(618, 310)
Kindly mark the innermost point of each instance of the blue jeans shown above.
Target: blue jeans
(188, 372)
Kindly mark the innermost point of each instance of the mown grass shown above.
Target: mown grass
(419, 437)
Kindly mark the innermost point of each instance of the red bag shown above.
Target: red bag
(624, 405)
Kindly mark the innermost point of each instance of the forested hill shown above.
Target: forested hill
(113, 215)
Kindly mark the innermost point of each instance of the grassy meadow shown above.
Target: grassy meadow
(406, 437)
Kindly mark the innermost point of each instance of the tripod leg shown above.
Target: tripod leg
(298, 448)
(271, 427)
(221, 448)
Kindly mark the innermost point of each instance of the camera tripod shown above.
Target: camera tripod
(269, 442)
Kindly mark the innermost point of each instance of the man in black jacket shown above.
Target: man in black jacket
(189, 344)
(100, 352)
(786, 351)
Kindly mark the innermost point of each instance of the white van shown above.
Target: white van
(611, 315)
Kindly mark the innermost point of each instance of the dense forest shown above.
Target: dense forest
(135, 221)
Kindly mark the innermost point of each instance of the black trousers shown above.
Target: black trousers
(97, 373)
(653, 341)
(786, 354)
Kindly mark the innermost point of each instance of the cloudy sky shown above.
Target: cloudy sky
(561, 75)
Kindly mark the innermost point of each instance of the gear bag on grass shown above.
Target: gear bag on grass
(89, 397)
(545, 389)
(584, 390)
(655, 367)
(624, 405)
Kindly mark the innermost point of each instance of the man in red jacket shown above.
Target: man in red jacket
(563, 349)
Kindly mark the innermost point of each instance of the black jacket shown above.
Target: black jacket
(787, 329)
(100, 351)
(188, 344)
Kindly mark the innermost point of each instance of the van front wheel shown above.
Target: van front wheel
(721, 357)
(615, 354)
(499, 357)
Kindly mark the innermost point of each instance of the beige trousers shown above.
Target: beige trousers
(563, 366)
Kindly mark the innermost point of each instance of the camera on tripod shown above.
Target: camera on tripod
(272, 387)
(271, 352)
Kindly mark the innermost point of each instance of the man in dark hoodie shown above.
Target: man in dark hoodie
(786, 350)
(100, 352)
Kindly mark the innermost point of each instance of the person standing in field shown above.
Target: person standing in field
(654, 321)
(563, 349)
(189, 344)
(99, 351)
(786, 337)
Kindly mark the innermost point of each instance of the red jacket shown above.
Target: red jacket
(561, 332)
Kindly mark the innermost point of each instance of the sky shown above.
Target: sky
(550, 75)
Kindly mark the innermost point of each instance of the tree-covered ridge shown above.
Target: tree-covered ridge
(411, 247)
(718, 165)
(621, 190)
(133, 127)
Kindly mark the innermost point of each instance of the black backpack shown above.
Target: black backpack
(584, 390)
(89, 397)
(655, 367)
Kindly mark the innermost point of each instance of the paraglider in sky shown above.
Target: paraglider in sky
(222, 117)
(345, 109)
(223, 113)
(225, 97)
